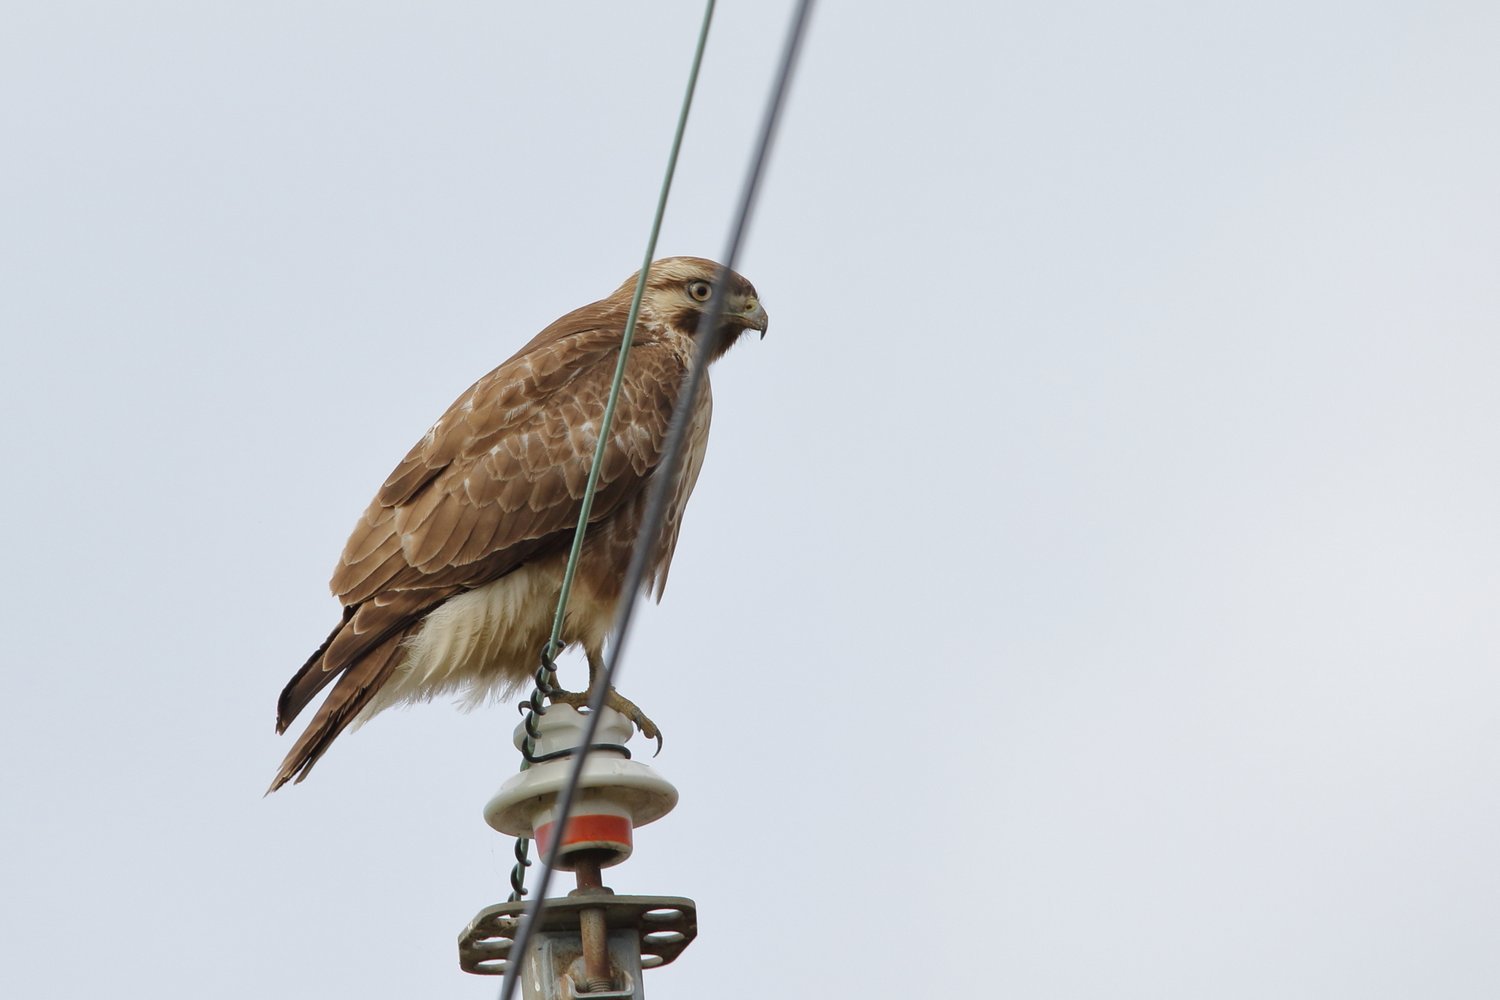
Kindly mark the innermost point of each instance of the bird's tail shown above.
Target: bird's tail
(349, 697)
(308, 681)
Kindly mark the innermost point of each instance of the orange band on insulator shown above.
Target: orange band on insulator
(613, 832)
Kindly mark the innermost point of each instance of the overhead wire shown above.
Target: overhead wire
(706, 339)
(629, 336)
(547, 671)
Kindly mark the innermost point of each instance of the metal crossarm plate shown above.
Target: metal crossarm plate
(665, 925)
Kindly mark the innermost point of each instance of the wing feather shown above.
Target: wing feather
(377, 575)
(513, 474)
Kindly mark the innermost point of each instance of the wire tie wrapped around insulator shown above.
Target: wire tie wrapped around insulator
(518, 871)
(533, 708)
(567, 752)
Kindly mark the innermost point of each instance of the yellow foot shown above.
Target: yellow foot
(616, 701)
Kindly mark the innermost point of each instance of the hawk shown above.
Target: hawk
(450, 579)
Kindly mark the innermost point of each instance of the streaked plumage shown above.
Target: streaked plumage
(450, 579)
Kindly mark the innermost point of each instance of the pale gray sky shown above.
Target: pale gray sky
(1090, 591)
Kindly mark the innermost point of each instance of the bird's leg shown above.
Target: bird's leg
(613, 699)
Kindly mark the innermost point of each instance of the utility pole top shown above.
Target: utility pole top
(615, 793)
(591, 943)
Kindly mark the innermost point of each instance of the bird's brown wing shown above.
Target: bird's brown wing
(496, 482)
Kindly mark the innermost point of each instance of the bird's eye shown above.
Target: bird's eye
(700, 290)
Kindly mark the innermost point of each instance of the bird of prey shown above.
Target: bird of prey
(450, 579)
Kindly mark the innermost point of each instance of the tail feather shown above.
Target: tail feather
(309, 680)
(360, 653)
(350, 695)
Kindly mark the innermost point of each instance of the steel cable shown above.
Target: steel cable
(656, 502)
(547, 671)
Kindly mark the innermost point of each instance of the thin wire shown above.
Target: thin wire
(629, 337)
(707, 337)
(554, 642)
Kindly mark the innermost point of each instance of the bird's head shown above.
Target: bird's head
(679, 291)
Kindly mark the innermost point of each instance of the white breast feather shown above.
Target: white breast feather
(479, 644)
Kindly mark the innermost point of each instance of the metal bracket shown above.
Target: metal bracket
(664, 926)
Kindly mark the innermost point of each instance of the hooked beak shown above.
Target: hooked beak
(753, 315)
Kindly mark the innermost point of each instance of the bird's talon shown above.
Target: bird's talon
(614, 700)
